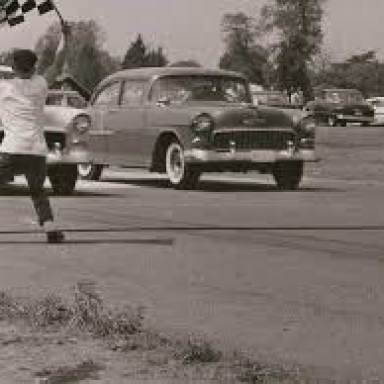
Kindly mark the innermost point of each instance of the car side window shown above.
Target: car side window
(108, 96)
(133, 92)
(54, 100)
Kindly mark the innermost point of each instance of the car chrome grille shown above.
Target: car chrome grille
(252, 139)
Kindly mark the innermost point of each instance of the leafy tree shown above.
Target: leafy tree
(140, 55)
(136, 53)
(84, 57)
(360, 71)
(299, 33)
(242, 54)
(156, 58)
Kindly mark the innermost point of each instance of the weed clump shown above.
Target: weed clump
(194, 350)
(85, 312)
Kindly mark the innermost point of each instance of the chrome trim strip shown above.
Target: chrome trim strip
(254, 156)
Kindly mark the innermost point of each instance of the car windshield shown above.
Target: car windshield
(182, 89)
(65, 100)
(346, 97)
(271, 98)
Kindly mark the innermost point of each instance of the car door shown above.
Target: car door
(103, 110)
(126, 140)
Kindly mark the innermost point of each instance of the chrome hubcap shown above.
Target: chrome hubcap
(84, 169)
(175, 163)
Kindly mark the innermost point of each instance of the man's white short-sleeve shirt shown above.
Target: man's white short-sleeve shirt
(21, 111)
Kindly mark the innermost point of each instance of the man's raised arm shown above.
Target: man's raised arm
(58, 65)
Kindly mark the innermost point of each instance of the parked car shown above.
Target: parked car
(378, 106)
(187, 121)
(66, 130)
(341, 106)
(273, 99)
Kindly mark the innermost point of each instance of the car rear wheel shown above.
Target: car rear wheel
(90, 171)
(63, 178)
(288, 174)
(181, 175)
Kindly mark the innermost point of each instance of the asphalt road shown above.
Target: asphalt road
(291, 277)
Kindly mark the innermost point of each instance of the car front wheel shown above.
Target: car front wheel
(288, 174)
(90, 171)
(63, 178)
(181, 175)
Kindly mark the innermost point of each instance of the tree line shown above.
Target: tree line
(280, 48)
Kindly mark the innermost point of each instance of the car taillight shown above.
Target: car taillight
(82, 123)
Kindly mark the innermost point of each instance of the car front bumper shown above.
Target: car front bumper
(201, 156)
(355, 118)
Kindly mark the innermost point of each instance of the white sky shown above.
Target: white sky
(190, 29)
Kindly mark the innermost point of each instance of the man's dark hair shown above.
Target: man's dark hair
(24, 60)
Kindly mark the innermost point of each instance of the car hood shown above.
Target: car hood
(230, 115)
(58, 118)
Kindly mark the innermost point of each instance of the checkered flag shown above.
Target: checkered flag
(12, 12)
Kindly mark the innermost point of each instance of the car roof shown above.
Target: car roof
(340, 90)
(152, 72)
(63, 92)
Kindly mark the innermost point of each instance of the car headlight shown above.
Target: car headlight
(82, 123)
(307, 126)
(203, 123)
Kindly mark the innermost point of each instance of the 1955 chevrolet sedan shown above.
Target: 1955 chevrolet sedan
(186, 121)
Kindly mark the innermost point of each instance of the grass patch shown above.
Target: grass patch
(86, 370)
(85, 313)
(194, 350)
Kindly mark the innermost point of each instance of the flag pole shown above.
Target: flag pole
(66, 32)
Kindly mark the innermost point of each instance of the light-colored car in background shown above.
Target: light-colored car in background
(66, 131)
(378, 106)
(187, 121)
(276, 99)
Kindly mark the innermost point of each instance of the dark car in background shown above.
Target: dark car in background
(336, 106)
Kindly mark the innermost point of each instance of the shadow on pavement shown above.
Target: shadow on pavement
(218, 186)
(21, 190)
(160, 242)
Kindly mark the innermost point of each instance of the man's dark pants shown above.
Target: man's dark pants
(34, 168)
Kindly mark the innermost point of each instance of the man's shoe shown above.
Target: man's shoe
(55, 237)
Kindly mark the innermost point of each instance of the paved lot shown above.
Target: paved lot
(295, 277)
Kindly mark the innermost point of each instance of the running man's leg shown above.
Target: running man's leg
(7, 167)
(35, 170)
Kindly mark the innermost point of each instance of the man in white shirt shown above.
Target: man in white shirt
(24, 148)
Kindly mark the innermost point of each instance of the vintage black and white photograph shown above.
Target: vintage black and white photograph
(191, 191)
